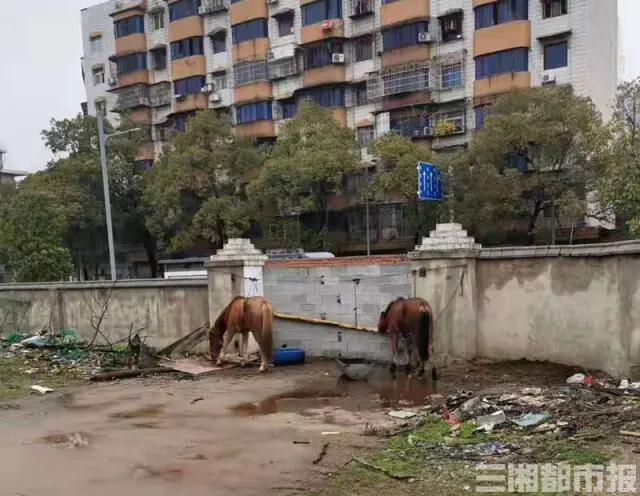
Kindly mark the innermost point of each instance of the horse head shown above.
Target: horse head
(383, 323)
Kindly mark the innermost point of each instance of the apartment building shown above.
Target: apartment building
(425, 68)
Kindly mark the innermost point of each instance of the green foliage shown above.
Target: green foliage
(619, 186)
(197, 191)
(31, 232)
(561, 137)
(306, 167)
(72, 136)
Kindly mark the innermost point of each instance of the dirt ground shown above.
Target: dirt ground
(236, 432)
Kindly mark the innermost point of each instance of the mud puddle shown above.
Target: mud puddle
(142, 411)
(380, 391)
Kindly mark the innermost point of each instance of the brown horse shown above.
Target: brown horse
(243, 315)
(412, 320)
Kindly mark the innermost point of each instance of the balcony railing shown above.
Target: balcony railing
(160, 95)
(135, 96)
(413, 128)
(361, 8)
(212, 6)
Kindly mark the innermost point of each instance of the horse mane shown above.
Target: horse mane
(220, 324)
(386, 311)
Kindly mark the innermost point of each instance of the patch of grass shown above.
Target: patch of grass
(18, 374)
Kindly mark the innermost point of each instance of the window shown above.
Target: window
(451, 76)
(554, 8)
(285, 24)
(406, 78)
(189, 86)
(157, 20)
(130, 25)
(288, 108)
(319, 55)
(451, 27)
(187, 48)
(141, 166)
(249, 30)
(98, 76)
(326, 97)
(363, 48)
(500, 12)
(219, 42)
(133, 62)
(159, 59)
(360, 91)
(101, 107)
(514, 60)
(365, 135)
(219, 80)
(250, 72)
(482, 113)
(183, 8)
(455, 117)
(281, 68)
(403, 35)
(96, 44)
(321, 10)
(556, 55)
(257, 111)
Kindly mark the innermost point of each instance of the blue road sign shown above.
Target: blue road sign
(429, 183)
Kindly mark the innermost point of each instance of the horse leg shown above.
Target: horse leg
(244, 348)
(226, 339)
(394, 351)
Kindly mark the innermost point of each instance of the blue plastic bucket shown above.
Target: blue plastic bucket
(288, 356)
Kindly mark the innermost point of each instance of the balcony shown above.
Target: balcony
(361, 8)
(213, 6)
(406, 78)
(133, 96)
(160, 94)
(419, 127)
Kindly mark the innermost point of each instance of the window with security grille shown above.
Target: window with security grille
(554, 8)
(282, 68)
(219, 80)
(455, 117)
(250, 72)
(363, 48)
(285, 24)
(157, 20)
(98, 76)
(365, 135)
(360, 92)
(451, 76)
(219, 42)
(404, 79)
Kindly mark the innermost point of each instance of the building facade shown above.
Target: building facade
(425, 68)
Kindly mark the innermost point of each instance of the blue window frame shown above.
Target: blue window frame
(403, 36)
(515, 160)
(250, 30)
(257, 111)
(321, 10)
(328, 96)
(319, 54)
(514, 60)
(183, 8)
(132, 62)
(288, 109)
(451, 76)
(500, 12)
(187, 47)
(556, 55)
(130, 25)
(482, 113)
(189, 86)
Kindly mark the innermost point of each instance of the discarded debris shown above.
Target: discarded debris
(630, 433)
(487, 423)
(301, 442)
(455, 400)
(382, 470)
(322, 453)
(531, 419)
(576, 379)
(201, 398)
(330, 433)
(41, 389)
(401, 414)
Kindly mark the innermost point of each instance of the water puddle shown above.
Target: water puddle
(380, 391)
(142, 411)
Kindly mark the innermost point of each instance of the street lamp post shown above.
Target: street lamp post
(102, 139)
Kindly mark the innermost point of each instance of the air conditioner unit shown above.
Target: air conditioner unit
(214, 97)
(112, 81)
(427, 131)
(207, 88)
(270, 55)
(202, 10)
(550, 77)
(424, 37)
(337, 58)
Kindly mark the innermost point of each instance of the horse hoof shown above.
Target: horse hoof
(434, 375)
(392, 368)
(262, 369)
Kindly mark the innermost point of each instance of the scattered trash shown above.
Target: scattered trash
(576, 379)
(455, 400)
(531, 419)
(449, 417)
(201, 398)
(330, 433)
(535, 391)
(356, 370)
(76, 440)
(41, 389)
(588, 380)
(496, 448)
(401, 414)
(301, 442)
(37, 341)
(624, 384)
(487, 423)
(322, 454)
(630, 433)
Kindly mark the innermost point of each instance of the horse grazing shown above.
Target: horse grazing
(243, 315)
(412, 320)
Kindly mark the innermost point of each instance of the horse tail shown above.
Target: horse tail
(424, 331)
(267, 330)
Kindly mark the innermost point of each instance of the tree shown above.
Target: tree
(306, 167)
(558, 141)
(619, 187)
(31, 231)
(197, 191)
(73, 136)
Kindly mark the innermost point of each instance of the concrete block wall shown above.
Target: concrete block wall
(325, 291)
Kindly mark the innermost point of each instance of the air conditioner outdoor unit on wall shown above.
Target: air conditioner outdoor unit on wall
(112, 81)
(214, 97)
(337, 58)
(207, 88)
(425, 37)
(550, 77)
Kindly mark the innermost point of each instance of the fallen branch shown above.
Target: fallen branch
(322, 454)
(382, 470)
(122, 374)
(185, 343)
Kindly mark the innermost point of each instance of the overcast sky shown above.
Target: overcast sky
(41, 76)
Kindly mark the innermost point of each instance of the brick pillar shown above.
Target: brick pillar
(235, 270)
(445, 265)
